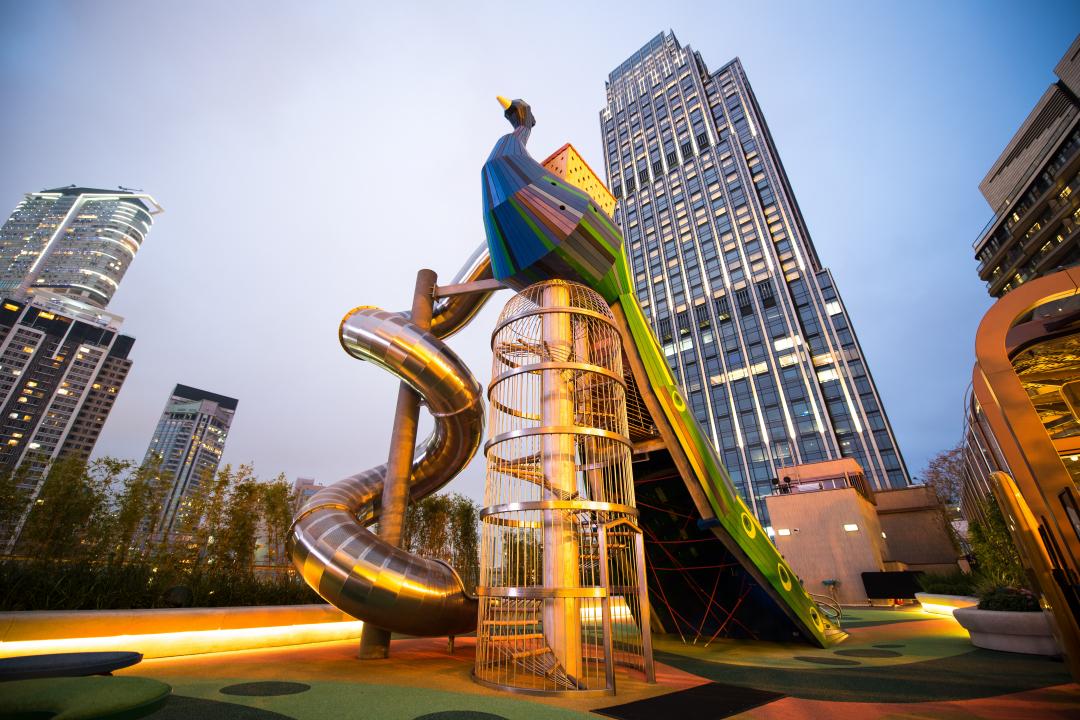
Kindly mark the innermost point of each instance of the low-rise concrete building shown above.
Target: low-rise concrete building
(832, 527)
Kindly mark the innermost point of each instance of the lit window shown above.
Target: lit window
(827, 375)
(833, 307)
(27, 349)
(783, 531)
(851, 527)
(9, 306)
(883, 535)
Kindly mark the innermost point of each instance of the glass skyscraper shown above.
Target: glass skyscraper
(752, 324)
(189, 440)
(74, 241)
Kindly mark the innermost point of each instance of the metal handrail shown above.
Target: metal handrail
(829, 606)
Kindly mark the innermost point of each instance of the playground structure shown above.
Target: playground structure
(562, 576)
(711, 569)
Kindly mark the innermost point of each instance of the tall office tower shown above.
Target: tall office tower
(189, 439)
(1033, 189)
(62, 363)
(304, 489)
(73, 241)
(752, 324)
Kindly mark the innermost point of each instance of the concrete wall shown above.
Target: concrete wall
(818, 548)
(915, 529)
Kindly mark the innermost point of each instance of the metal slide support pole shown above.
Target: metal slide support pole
(375, 641)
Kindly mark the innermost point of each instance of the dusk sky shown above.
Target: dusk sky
(312, 156)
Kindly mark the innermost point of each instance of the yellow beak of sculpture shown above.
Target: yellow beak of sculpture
(503, 101)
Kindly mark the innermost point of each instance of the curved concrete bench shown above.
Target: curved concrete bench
(82, 698)
(26, 667)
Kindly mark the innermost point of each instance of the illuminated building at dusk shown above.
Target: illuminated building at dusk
(62, 362)
(190, 438)
(74, 241)
(751, 322)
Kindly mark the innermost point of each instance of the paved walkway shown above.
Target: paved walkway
(896, 664)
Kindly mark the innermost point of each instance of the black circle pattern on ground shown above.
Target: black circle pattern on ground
(889, 645)
(826, 660)
(868, 653)
(262, 689)
(459, 715)
(181, 707)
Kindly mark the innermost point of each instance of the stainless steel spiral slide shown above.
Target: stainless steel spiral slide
(345, 562)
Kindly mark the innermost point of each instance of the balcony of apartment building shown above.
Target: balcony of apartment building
(1038, 231)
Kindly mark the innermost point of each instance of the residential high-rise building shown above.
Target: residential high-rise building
(73, 241)
(62, 362)
(751, 322)
(1034, 189)
(189, 439)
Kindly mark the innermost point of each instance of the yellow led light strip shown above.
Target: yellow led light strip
(191, 642)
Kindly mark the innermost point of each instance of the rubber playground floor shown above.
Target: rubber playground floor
(896, 664)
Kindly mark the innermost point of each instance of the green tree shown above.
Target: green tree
(466, 540)
(138, 507)
(13, 499)
(200, 526)
(997, 559)
(445, 527)
(278, 501)
(70, 517)
(944, 475)
(241, 519)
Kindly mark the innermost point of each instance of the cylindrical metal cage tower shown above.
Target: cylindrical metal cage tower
(562, 585)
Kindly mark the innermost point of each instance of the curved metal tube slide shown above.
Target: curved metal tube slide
(347, 564)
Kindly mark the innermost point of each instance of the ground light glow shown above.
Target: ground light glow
(191, 642)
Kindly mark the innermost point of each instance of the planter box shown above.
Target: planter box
(944, 604)
(1018, 632)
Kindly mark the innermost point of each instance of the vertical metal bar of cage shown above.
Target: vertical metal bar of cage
(605, 608)
(643, 604)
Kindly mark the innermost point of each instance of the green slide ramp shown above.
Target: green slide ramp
(713, 571)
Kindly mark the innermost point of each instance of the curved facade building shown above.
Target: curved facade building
(74, 241)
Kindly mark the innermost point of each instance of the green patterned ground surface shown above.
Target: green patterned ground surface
(896, 664)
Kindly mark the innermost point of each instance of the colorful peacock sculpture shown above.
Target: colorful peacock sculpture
(538, 226)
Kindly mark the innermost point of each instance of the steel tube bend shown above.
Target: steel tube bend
(337, 555)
